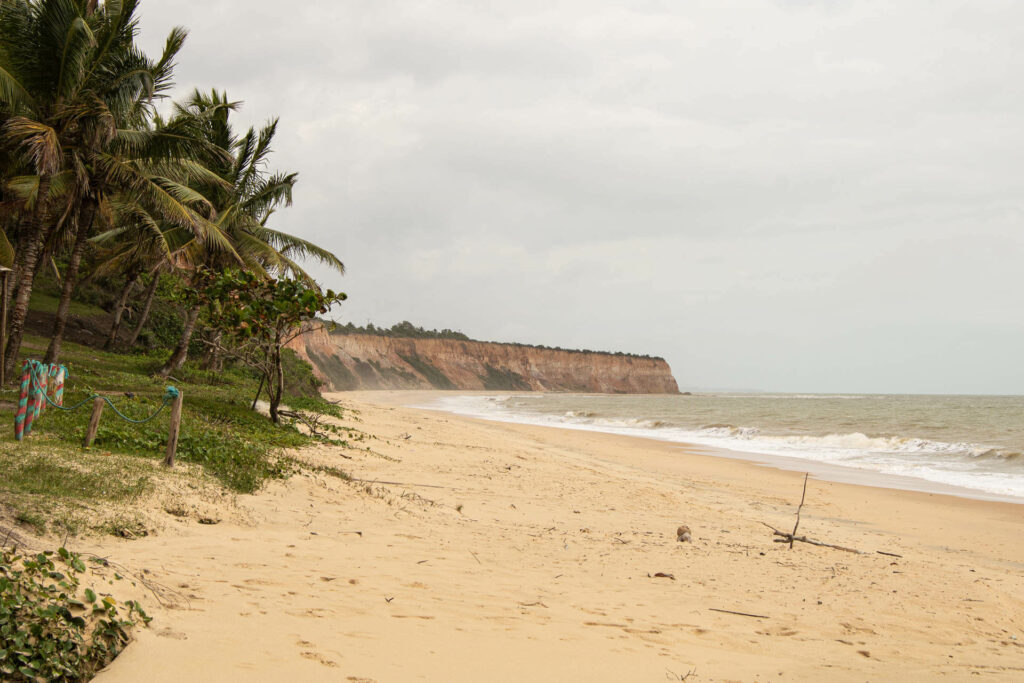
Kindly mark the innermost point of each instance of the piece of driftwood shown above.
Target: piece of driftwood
(786, 537)
(790, 537)
(803, 497)
(312, 422)
(742, 614)
(672, 675)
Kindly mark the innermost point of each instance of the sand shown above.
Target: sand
(521, 553)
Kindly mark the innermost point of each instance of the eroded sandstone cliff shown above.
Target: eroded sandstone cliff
(362, 361)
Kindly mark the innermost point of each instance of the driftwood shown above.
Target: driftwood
(790, 537)
(803, 497)
(312, 421)
(742, 614)
(786, 537)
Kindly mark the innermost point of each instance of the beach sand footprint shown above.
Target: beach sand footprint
(319, 658)
(310, 613)
(168, 633)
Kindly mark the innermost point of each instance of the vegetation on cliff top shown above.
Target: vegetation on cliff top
(406, 330)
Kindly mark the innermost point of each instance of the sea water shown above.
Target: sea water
(974, 443)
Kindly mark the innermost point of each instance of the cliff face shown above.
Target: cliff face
(361, 361)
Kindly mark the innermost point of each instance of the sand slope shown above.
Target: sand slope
(546, 572)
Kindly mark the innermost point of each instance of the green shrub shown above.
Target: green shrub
(231, 442)
(299, 379)
(46, 631)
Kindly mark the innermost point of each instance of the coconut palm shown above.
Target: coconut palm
(243, 203)
(122, 178)
(75, 90)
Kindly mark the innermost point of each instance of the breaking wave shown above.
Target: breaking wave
(978, 466)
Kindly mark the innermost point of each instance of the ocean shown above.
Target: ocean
(973, 443)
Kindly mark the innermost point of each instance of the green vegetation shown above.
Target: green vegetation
(407, 330)
(437, 379)
(498, 379)
(254, 316)
(41, 301)
(51, 627)
(97, 187)
(150, 237)
(370, 372)
(389, 373)
(52, 485)
(110, 212)
(341, 377)
(404, 329)
(219, 430)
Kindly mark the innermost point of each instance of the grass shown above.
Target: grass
(218, 430)
(50, 482)
(40, 301)
(50, 488)
(46, 475)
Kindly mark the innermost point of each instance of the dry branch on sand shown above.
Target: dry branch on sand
(790, 536)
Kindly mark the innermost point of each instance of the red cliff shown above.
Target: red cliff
(362, 361)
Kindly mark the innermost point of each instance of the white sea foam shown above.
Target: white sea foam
(962, 464)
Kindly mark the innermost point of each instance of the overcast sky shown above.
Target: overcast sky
(790, 196)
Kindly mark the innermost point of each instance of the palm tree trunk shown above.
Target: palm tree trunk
(28, 261)
(115, 324)
(60, 323)
(146, 308)
(180, 352)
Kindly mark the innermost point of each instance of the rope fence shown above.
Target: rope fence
(43, 385)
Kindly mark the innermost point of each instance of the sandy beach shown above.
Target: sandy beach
(476, 551)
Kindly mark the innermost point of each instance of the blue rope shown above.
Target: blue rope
(170, 393)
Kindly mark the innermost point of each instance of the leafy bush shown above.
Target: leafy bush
(404, 329)
(46, 631)
(299, 379)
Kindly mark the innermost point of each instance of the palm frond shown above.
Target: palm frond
(290, 245)
(39, 142)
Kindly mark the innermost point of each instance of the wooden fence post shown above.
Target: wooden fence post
(94, 421)
(172, 432)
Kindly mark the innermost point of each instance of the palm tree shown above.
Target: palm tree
(243, 204)
(123, 179)
(74, 89)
